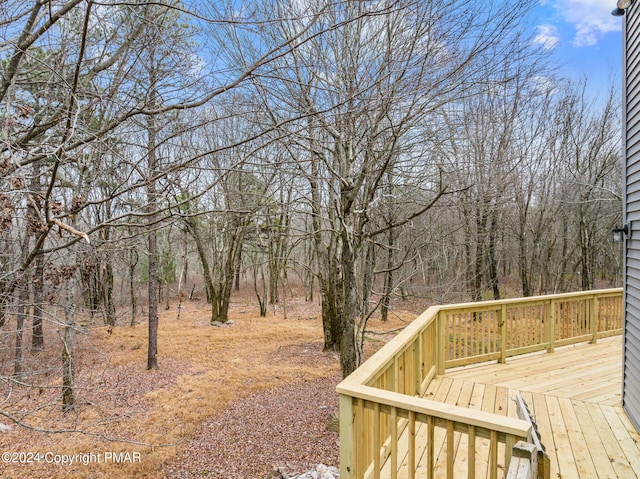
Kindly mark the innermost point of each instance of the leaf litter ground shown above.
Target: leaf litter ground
(227, 402)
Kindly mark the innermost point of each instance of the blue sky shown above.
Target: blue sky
(584, 38)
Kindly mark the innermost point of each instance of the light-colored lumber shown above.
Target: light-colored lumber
(627, 439)
(566, 461)
(615, 454)
(595, 447)
(579, 448)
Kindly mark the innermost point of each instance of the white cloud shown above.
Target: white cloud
(591, 19)
(543, 85)
(547, 36)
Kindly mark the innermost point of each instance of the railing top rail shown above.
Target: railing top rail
(376, 363)
(530, 299)
(449, 412)
(379, 360)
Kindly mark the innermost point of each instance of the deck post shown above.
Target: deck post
(524, 463)
(593, 319)
(418, 365)
(441, 343)
(502, 323)
(347, 438)
(550, 325)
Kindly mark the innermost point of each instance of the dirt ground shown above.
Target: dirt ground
(236, 401)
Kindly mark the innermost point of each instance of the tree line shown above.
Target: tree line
(362, 150)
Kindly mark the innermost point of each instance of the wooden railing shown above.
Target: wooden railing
(385, 424)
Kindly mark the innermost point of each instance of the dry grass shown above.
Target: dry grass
(202, 368)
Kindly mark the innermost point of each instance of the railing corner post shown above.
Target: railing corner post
(347, 438)
(442, 341)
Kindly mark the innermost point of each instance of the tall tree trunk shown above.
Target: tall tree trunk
(327, 267)
(493, 262)
(21, 315)
(331, 324)
(388, 276)
(204, 259)
(222, 298)
(68, 399)
(182, 279)
(133, 261)
(524, 266)
(152, 347)
(152, 208)
(37, 334)
(262, 296)
(367, 278)
(348, 353)
(586, 254)
(561, 281)
(238, 269)
(109, 306)
(478, 273)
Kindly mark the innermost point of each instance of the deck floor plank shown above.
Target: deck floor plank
(540, 414)
(596, 448)
(574, 397)
(563, 371)
(628, 440)
(579, 447)
(616, 455)
(566, 462)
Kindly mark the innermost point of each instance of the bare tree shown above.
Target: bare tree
(366, 89)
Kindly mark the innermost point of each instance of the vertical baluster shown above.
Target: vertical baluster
(486, 326)
(471, 453)
(530, 317)
(474, 325)
(394, 443)
(502, 323)
(508, 449)
(430, 447)
(376, 440)
(493, 456)
(393, 378)
(450, 450)
(469, 339)
(457, 338)
(514, 330)
(412, 445)
(540, 323)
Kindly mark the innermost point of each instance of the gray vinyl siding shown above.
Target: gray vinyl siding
(631, 145)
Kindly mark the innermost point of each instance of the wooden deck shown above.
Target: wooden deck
(469, 427)
(574, 396)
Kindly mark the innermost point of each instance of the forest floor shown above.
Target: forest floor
(233, 402)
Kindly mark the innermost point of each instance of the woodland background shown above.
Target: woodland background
(350, 154)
